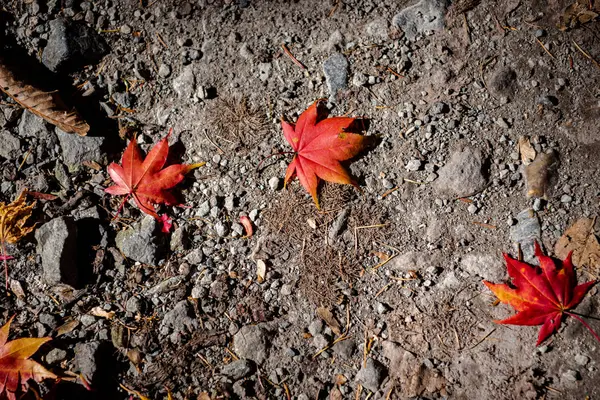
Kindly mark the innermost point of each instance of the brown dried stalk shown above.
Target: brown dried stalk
(47, 105)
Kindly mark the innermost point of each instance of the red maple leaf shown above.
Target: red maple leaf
(16, 369)
(146, 180)
(319, 144)
(541, 295)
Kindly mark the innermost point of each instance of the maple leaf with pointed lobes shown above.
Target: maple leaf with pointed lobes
(146, 180)
(319, 145)
(541, 295)
(15, 367)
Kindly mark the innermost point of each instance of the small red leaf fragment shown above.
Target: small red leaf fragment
(540, 295)
(245, 221)
(320, 144)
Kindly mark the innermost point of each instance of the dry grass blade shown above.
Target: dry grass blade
(47, 105)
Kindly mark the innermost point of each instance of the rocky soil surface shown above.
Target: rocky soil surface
(379, 294)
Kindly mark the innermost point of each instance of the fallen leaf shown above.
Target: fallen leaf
(245, 221)
(541, 295)
(526, 150)
(146, 180)
(102, 313)
(335, 394)
(16, 288)
(576, 14)
(261, 271)
(13, 226)
(320, 144)
(67, 327)
(329, 319)
(15, 367)
(13, 220)
(47, 105)
(538, 173)
(580, 239)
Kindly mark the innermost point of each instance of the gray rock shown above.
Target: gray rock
(345, 348)
(87, 358)
(413, 165)
(251, 342)
(55, 356)
(134, 305)
(371, 375)
(11, 145)
(141, 242)
(179, 239)
(221, 229)
(76, 149)
(164, 70)
(238, 369)
(339, 224)
(275, 183)
(319, 342)
(315, 327)
(359, 79)
(185, 84)
(486, 266)
(525, 232)
(57, 245)
(463, 175)
(581, 359)
(426, 15)
(72, 45)
(203, 209)
(571, 375)
(335, 69)
(377, 29)
(264, 71)
(32, 125)
(178, 322)
(439, 108)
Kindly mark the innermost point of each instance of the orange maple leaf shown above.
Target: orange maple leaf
(15, 367)
(146, 180)
(541, 295)
(319, 144)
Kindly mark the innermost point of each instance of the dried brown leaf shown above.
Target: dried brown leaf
(576, 14)
(13, 220)
(582, 241)
(47, 105)
(526, 150)
(537, 174)
(329, 319)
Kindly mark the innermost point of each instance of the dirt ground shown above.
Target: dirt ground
(379, 294)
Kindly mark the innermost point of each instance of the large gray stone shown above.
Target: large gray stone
(72, 45)
(76, 149)
(9, 145)
(371, 375)
(426, 15)
(526, 231)
(31, 125)
(463, 175)
(178, 322)
(142, 242)
(57, 245)
(185, 84)
(251, 342)
(238, 369)
(335, 69)
(88, 356)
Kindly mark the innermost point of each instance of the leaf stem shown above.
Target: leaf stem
(578, 318)
(273, 155)
(121, 206)
(5, 264)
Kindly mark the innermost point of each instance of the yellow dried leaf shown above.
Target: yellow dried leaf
(329, 319)
(538, 173)
(13, 220)
(526, 150)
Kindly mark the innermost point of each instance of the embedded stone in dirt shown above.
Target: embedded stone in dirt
(86, 359)
(251, 342)
(57, 244)
(32, 125)
(525, 232)
(426, 15)
(486, 266)
(371, 375)
(140, 242)
(178, 322)
(71, 45)
(185, 84)
(335, 69)
(238, 369)
(76, 149)
(463, 175)
(10, 145)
